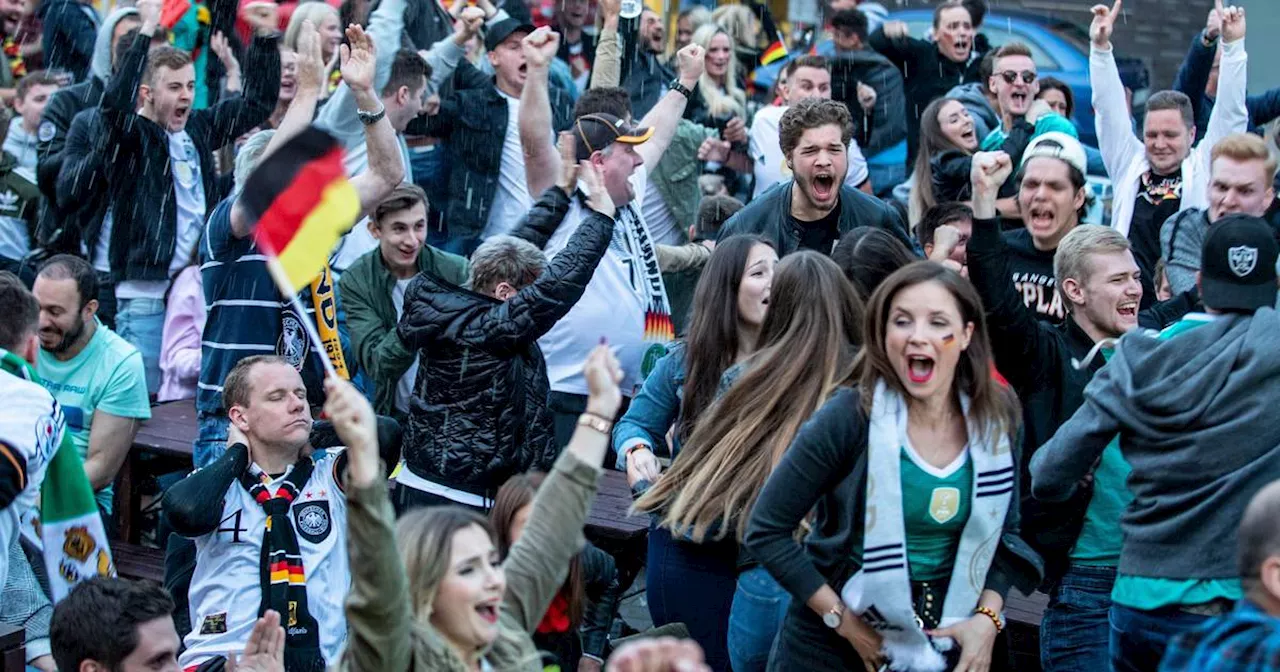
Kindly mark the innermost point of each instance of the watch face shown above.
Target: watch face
(832, 620)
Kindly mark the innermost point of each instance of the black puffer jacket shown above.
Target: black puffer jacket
(479, 408)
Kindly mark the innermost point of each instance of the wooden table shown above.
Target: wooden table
(172, 429)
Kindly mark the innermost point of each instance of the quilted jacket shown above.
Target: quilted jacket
(478, 413)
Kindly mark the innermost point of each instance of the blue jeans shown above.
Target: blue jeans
(1139, 638)
(141, 322)
(693, 584)
(211, 441)
(1075, 633)
(759, 605)
(884, 177)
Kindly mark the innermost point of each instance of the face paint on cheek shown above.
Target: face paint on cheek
(949, 340)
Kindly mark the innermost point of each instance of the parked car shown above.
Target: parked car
(1059, 47)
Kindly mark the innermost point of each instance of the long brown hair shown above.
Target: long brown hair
(932, 143)
(712, 345)
(992, 405)
(517, 493)
(805, 352)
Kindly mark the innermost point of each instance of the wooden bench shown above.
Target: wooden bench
(13, 648)
(138, 562)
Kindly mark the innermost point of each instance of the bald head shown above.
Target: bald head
(1260, 542)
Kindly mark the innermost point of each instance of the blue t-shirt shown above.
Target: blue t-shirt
(247, 315)
(106, 376)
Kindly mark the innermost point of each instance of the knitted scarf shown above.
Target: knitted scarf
(283, 578)
(881, 589)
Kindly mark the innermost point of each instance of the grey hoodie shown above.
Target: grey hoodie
(100, 65)
(1195, 415)
(984, 116)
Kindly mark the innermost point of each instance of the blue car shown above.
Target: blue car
(1059, 48)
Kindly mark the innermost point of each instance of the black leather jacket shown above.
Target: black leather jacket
(769, 215)
(478, 413)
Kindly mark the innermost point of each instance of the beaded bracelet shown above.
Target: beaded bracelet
(995, 618)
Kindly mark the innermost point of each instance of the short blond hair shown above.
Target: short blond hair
(1246, 147)
(1071, 260)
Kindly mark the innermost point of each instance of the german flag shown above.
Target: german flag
(302, 202)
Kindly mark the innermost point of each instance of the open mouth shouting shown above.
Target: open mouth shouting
(1128, 310)
(180, 114)
(1020, 100)
(824, 186)
(488, 611)
(1041, 218)
(919, 369)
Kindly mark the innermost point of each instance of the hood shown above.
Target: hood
(100, 66)
(1207, 376)
(976, 102)
(17, 135)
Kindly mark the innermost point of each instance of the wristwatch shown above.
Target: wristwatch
(684, 90)
(371, 118)
(834, 617)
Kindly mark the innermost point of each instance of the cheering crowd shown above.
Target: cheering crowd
(866, 347)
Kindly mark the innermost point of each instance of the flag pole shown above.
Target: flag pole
(283, 284)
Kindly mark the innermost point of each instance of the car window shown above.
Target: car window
(998, 35)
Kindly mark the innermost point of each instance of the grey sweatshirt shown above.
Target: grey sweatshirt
(1181, 243)
(1195, 415)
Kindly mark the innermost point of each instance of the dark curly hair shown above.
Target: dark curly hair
(812, 113)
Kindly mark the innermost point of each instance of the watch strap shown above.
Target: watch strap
(371, 118)
(684, 90)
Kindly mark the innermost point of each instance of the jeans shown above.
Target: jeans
(1139, 638)
(884, 177)
(141, 322)
(211, 440)
(759, 605)
(693, 584)
(1075, 633)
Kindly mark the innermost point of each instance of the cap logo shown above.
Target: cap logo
(1242, 259)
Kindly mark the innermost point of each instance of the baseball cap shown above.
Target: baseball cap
(1238, 264)
(594, 132)
(500, 31)
(1058, 145)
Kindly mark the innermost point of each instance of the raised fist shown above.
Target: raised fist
(691, 62)
(989, 171)
(540, 47)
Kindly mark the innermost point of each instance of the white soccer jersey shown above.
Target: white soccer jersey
(31, 427)
(226, 588)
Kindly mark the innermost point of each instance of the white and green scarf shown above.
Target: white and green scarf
(880, 592)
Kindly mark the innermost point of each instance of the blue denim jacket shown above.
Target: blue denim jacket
(655, 409)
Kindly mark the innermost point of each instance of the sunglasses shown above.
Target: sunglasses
(1010, 76)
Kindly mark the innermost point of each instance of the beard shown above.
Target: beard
(69, 337)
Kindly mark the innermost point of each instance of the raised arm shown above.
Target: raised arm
(1193, 73)
(233, 117)
(193, 506)
(1116, 141)
(118, 101)
(311, 80)
(379, 616)
(539, 561)
(606, 70)
(1230, 113)
(1025, 351)
(541, 162)
(386, 166)
(893, 40)
(666, 115)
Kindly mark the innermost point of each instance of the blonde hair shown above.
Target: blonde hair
(424, 542)
(1246, 147)
(728, 100)
(315, 12)
(1072, 257)
(739, 22)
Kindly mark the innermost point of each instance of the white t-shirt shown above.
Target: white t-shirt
(511, 200)
(102, 250)
(188, 189)
(771, 166)
(226, 587)
(663, 226)
(404, 388)
(613, 306)
(31, 427)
